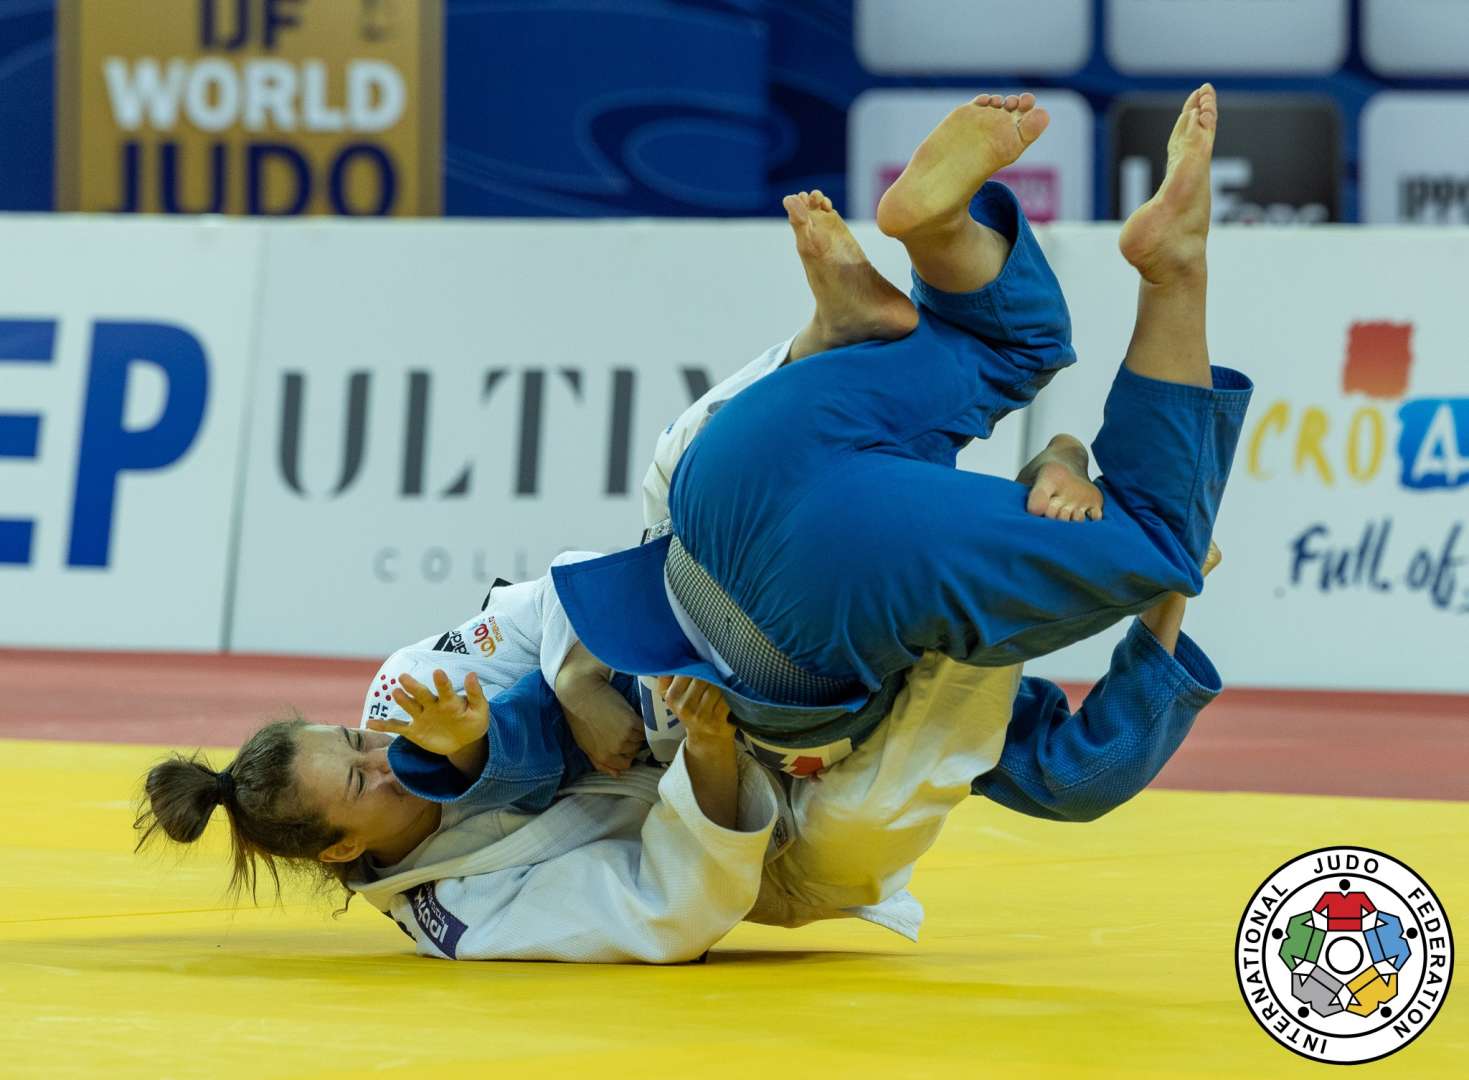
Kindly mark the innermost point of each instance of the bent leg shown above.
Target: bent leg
(890, 557)
(854, 303)
(861, 827)
(927, 206)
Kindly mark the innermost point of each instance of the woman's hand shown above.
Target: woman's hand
(609, 731)
(610, 736)
(445, 723)
(699, 706)
(709, 752)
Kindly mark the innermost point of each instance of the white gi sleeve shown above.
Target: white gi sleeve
(557, 635)
(676, 438)
(663, 895)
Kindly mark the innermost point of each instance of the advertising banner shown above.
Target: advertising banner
(1053, 180)
(124, 349)
(1424, 38)
(1205, 36)
(963, 37)
(1415, 158)
(273, 107)
(437, 406)
(1277, 161)
(1345, 529)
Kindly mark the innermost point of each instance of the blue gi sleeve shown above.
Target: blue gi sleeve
(531, 754)
(1077, 766)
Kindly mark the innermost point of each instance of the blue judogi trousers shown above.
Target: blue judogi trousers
(825, 502)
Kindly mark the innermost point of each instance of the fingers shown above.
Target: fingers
(676, 693)
(699, 705)
(633, 742)
(392, 727)
(414, 691)
(473, 692)
(718, 708)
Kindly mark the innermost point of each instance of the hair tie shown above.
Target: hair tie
(224, 786)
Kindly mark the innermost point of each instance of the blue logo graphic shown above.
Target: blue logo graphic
(1433, 446)
(108, 449)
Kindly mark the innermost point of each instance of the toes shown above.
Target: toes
(1042, 499)
(795, 207)
(1027, 102)
(1031, 124)
(982, 100)
(1012, 102)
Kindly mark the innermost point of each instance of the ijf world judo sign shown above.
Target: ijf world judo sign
(270, 107)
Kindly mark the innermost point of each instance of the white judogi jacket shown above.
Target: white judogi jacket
(630, 869)
(617, 869)
(521, 628)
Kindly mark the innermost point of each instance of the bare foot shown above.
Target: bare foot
(1059, 487)
(854, 303)
(1165, 236)
(970, 145)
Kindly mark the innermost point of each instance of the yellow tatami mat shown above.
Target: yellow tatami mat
(1050, 951)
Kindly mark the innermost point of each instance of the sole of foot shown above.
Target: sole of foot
(854, 303)
(1059, 485)
(970, 145)
(1166, 236)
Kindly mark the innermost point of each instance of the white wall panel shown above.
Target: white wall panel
(1345, 528)
(963, 37)
(124, 348)
(486, 313)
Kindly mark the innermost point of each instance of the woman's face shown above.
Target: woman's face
(343, 773)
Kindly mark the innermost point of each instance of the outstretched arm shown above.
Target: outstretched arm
(1077, 766)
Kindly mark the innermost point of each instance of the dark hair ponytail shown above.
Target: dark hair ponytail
(182, 793)
(258, 791)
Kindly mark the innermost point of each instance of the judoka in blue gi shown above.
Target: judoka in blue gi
(820, 540)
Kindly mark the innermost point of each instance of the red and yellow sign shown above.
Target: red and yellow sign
(274, 107)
